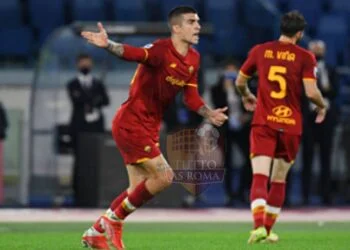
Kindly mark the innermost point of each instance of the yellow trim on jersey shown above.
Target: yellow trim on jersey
(146, 55)
(192, 85)
(244, 75)
(142, 160)
(309, 79)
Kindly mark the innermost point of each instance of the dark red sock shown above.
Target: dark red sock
(135, 200)
(275, 202)
(258, 196)
(115, 203)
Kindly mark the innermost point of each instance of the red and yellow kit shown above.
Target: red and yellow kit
(281, 68)
(161, 74)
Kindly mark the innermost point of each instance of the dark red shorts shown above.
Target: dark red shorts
(134, 147)
(270, 142)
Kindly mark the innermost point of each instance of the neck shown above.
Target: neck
(286, 39)
(180, 46)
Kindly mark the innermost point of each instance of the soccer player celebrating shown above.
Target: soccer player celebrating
(283, 69)
(165, 68)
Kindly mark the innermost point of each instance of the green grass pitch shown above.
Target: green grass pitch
(173, 236)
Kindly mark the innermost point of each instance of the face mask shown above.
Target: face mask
(85, 70)
(319, 57)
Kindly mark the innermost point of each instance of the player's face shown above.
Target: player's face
(190, 28)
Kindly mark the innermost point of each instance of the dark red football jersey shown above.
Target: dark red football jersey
(161, 73)
(281, 68)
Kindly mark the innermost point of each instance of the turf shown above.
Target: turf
(173, 236)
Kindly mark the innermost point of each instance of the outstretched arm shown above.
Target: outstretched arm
(124, 51)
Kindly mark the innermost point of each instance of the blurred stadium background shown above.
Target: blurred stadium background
(39, 45)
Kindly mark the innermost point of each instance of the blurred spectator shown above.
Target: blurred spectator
(3, 123)
(236, 130)
(345, 136)
(88, 95)
(3, 128)
(319, 134)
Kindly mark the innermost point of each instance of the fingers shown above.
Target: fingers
(319, 118)
(223, 109)
(100, 27)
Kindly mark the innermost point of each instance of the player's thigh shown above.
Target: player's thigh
(136, 174)
(262, 148)
(287, 147)
(280, 169)
(261, 165)
(158, 168)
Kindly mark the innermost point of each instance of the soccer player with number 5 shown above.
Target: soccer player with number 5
(165, 68)
(283, 69)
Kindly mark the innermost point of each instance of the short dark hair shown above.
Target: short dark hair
(180, 10)
(82, 56)
(292, 22)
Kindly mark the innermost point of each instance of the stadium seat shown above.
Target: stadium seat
(45, 14)
(332, 30)
(126, 10)
(166, 5)
(10, 13)
(89, 10)
(340, 5)
(220, 13)
(16, 41)
(311, 9)
(260, 14)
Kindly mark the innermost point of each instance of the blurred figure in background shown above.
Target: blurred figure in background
(344, 96)
(319, 133)
(3, 128)
(88, 96)
(236, 130)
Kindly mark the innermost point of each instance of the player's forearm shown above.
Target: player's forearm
(242, 86)
(127, 52)
(116, 49)
(204, 111)
(317, 99)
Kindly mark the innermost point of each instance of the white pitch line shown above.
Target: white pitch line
(171, 215)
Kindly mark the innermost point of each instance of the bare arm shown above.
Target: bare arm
(115, 48)
(204, 111)
(248, 99)
(313, 93)
(242, 86)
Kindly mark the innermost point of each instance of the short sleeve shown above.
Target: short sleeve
(154, 54)
(309, 70)
(249, 66)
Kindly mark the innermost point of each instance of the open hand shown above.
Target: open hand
(99, 39)
(218, 116)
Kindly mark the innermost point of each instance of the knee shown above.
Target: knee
(165, 177)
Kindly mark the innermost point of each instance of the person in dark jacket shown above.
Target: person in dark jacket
(319, 133)
(3, 122)
(236, 130)
(88, 96)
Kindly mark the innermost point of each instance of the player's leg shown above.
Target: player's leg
(136, 174)
(94, 236)
(286, 151)
(276, 195)
(263, 143)
(159, 177)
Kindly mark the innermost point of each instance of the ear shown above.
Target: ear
(176, 28)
